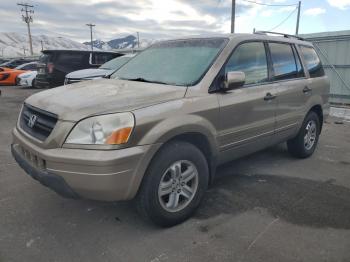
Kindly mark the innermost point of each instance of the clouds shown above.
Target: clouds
(341, 4)
(315, 11)
(152, 18)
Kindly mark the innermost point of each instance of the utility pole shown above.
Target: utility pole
(233, 14)
(138, 40)
(91, 26)
(298, 19)
(27, 18)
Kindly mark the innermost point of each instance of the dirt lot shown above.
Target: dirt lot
(266, 207)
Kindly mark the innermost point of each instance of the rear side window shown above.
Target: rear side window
(99, 59)
(249, 58)
(72, 59)
(312, 61)
(285, 64)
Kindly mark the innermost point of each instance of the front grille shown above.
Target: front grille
(32, 158)
(36, 122)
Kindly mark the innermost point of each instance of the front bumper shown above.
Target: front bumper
(107, 175)
(24, 82)
(56, 183)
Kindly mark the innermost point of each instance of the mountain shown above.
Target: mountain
(11, 44)
(129, 41)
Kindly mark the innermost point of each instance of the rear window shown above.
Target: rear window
(312, 62)
(285, 65)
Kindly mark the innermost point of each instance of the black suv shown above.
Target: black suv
(55, 64)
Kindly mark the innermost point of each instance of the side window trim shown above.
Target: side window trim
(214, 85)
(297, 57)
(270, 70)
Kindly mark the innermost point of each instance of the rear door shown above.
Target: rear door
(247, 114)
(290, 81)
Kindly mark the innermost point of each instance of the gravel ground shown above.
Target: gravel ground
(265, 207)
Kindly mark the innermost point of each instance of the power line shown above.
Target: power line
(284, 20)
(258, 3)
(28, 18)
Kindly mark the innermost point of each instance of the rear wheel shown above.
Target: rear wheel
(304, 144)
(174, 184)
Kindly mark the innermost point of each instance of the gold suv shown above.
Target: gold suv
(159, 127)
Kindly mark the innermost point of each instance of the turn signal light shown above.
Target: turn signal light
(120, 136)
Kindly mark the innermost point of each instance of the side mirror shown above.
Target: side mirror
(234, 80)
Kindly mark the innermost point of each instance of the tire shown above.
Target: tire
(162, 210)
(300, 146)
(33, 83)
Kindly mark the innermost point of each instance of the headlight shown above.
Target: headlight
(112, 129)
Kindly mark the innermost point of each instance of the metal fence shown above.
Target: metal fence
(334, 51)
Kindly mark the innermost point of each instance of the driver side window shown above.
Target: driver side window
(249, 58)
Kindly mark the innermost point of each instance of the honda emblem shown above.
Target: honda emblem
(32, 120)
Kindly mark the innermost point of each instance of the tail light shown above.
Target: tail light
(50, 67)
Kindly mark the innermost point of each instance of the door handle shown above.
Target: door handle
(269, 96)
(306, 89)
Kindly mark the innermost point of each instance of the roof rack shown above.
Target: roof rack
(276, 33)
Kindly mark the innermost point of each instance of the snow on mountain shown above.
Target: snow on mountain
(129, 41)
(11, 44)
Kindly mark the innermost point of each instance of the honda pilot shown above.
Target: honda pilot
(157, 130)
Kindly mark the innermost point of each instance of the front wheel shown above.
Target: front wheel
(174, 184)
(304, 144)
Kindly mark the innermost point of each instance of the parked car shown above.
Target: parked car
(104, 70)
(157, 130)
(27, 79)
(16, 62)
(9, 77)
(3, 60)
(56, 64)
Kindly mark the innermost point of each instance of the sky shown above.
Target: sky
(159, 19)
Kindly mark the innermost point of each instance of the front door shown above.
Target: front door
(247, 114)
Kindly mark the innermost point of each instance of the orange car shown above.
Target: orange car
(9, 76)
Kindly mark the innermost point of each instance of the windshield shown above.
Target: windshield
(179, 62)
(115, 63)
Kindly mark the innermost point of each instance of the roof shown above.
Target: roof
(76, 51)
(246, 37)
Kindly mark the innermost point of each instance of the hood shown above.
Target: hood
(76, 101)
(87, 73)
(28, 74)
(14, 71)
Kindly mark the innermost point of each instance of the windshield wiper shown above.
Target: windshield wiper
(141, 79)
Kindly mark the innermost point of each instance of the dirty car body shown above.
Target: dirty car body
(216, 104)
